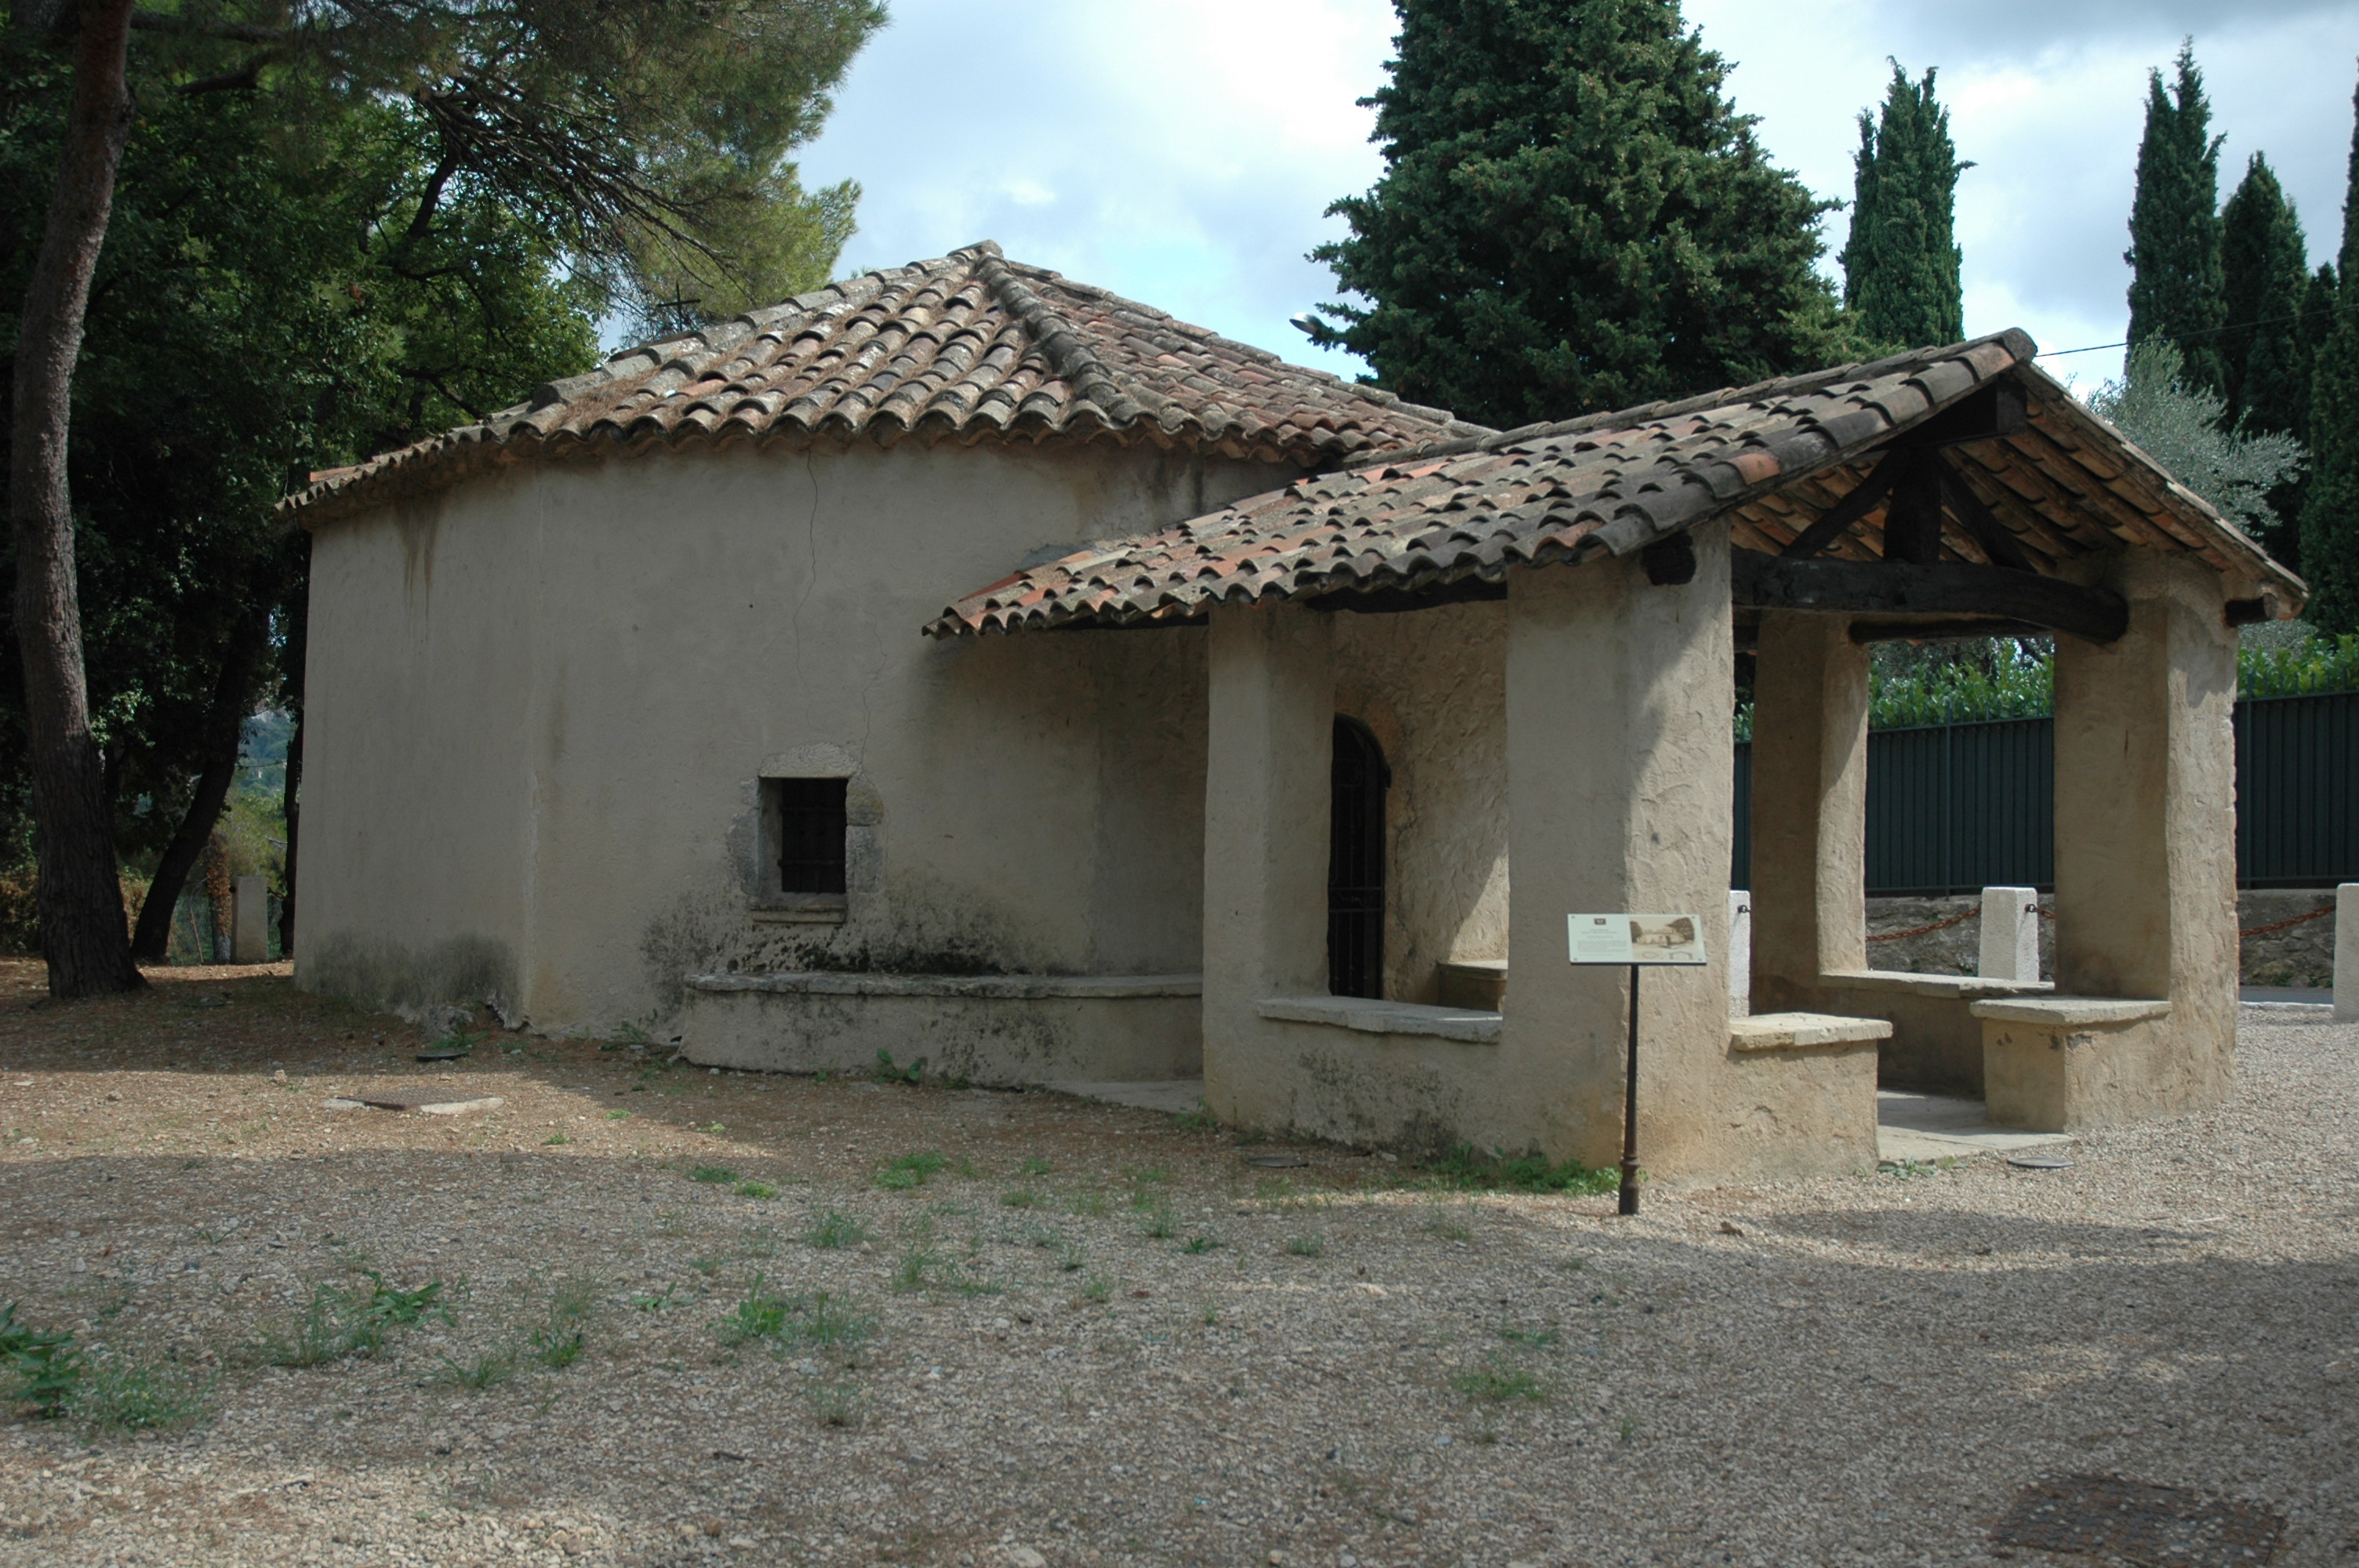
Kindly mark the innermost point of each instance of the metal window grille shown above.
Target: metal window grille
(1356, 865)
(810, 835)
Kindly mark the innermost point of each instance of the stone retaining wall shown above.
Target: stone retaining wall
(2300, 954)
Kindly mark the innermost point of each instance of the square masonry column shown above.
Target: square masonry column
(2145, 869)
(1810, 808)
(1619, 757)
(1267, 784)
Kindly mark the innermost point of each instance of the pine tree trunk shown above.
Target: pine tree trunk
(82, 934)
(224, 735)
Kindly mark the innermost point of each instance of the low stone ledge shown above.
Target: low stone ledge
(2071, 1012)
(1371, 1017)
(1966, 988)
(1803, 1031)
(1007, 987)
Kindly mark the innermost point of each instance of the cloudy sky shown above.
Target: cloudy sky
(1182, 153)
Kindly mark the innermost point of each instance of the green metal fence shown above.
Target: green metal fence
(1953, 808)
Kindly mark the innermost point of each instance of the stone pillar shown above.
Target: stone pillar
(2010, 935)
(1619, 758)
(2145, 826)
(1271, 735)
(2346, 953)
(1810, 808)
(1740, 952)
(249, 941)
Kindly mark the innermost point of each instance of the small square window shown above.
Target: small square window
(810, 835)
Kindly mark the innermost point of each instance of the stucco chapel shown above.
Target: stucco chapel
(968, 663)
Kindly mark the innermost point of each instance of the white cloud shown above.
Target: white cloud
(1184, 153)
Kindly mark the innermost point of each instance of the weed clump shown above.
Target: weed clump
(46, 1364)
(716, 1175)
(786, 1321)
(834, 1230)
(344, 1321)
(1464, 1170)
(909, 1171)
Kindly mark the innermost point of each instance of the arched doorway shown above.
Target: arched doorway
(1355, 864)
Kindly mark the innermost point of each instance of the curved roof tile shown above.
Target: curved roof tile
(969, 347)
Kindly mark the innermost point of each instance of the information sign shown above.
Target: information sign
(1635, 938)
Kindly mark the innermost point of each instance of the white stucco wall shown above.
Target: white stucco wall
(540, 706)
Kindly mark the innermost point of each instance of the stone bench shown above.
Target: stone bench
(2057, 1063)
(1800, 1094)
(1936, 1043)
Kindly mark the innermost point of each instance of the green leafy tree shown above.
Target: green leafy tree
(1901, 261)
(2185, 427)
(486, 179)
(2176, 287)
(2267, 359)
(2330, 511)
(1572, 218)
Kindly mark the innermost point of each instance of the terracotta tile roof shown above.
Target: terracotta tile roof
(970, 347)
(1769, 458)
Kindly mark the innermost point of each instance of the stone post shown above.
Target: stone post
(1619, 760)
(1740, 952)
(2346, 953)
(2010, 935)
(2146, 824)
(1271, 736)
(1810, 808)
(249, 940)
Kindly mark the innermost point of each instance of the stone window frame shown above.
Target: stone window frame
(770, 902)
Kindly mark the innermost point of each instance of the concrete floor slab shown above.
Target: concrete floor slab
(1911, 1126)
(1174, 1097)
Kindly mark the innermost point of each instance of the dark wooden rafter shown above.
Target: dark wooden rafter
(1971, 629)
(1933, 590)
(1837, 519)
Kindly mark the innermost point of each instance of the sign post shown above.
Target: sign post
(1637, 942)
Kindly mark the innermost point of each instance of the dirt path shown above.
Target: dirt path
(1089, 1335)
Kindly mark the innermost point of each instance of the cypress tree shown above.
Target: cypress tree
(1900, 265)
(2330, 512)
(2176, 290)
(1572, 218)
(2264, 267)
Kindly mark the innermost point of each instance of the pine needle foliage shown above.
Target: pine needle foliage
(1901, 263)
(2176, 287)
(1572, 217)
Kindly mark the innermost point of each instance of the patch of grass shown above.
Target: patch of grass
(555, 1138)
(1092, 1205)
(119, 1394)
(44, 1365)
(1465, 1170)
(1199, 1119)
(491, 1369)
(1197, 1246)
(1498, 1383)
(719, 1175)
(923, 1270)
(618, 1116)
(1538, 1338)
(809, 1318)
(752, 1189)
(910, 1171)
(1160, 1224)
(909, 1274)
(1450, 1229)
(716, 1129)
(344, 1321)
(1311, 1246)
(1035, 1166)
(835, 1404)
(708, 1267)
(670, 1296)
(1019, 1197)
(836, 1229)
(556, 1348)
(1097, 1290)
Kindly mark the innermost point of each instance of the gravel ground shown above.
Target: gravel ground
(1093, 1336)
